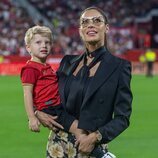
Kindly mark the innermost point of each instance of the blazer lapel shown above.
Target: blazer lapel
(69, 66)
(72, 64)
(106, 68)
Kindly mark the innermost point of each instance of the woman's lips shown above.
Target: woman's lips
(43, 51)
(91, 32)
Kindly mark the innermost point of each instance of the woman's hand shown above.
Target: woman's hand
(48, 120)
(86, 143)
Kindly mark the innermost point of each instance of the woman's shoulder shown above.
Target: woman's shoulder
(69, 58)
(120, 59)
(67, 62)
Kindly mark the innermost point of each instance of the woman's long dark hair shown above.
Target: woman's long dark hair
(102, 13)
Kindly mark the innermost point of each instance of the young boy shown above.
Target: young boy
(40, 84)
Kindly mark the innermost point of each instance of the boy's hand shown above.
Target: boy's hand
(34, 124)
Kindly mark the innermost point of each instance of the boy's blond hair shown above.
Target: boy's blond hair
(42, 30)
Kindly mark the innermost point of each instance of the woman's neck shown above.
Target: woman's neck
(92, 48)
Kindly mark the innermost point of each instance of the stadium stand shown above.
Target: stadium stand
(62, 15)
(131, 25)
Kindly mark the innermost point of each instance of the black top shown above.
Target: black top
(76, 86)
(75, 91)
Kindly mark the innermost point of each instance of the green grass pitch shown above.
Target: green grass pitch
(140, 140)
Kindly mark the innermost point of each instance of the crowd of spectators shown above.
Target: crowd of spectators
(63, 14)
(14, 20)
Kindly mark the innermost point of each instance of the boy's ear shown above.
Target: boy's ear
(28, 48)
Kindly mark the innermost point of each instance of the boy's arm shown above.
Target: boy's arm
(28, 100)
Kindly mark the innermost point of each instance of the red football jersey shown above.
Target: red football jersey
(45, 81)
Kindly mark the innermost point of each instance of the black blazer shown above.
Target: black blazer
(107, 103)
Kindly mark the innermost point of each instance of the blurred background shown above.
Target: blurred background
(133, 36)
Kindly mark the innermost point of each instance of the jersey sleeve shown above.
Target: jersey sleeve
(29, 75)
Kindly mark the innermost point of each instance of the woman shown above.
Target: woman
(95, 88)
